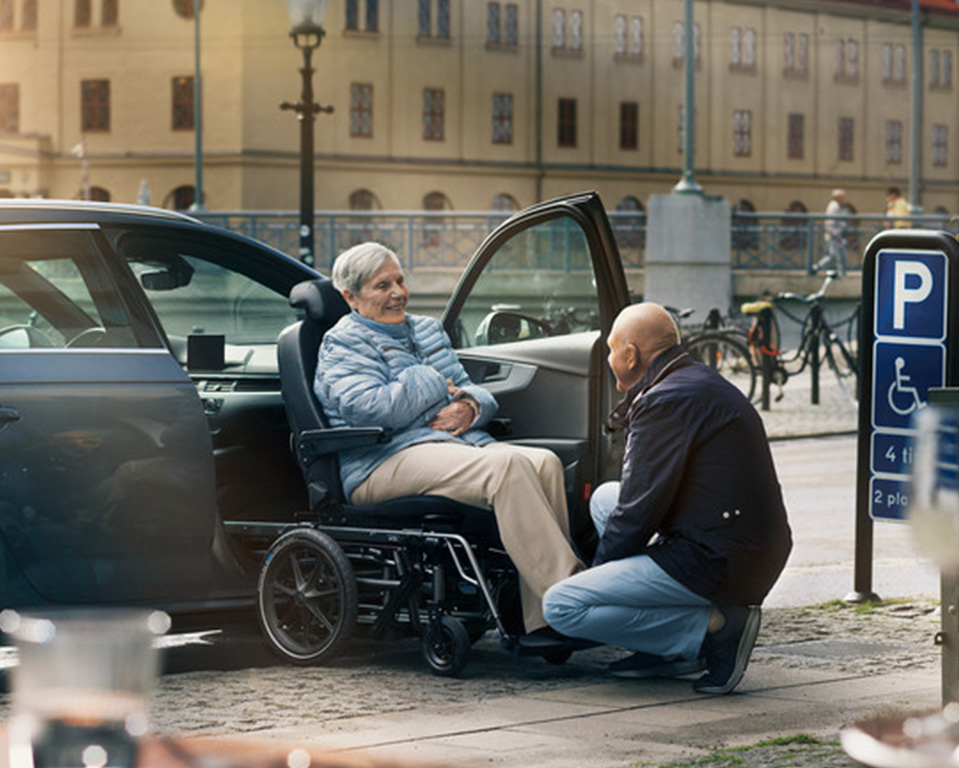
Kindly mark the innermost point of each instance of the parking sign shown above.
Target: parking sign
(909, 357)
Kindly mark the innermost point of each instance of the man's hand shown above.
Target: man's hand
(455, 418)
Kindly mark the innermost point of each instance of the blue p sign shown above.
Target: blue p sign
(910, 295)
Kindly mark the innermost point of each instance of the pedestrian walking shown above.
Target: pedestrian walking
(835, 226)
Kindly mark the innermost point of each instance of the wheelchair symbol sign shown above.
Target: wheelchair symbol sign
(902, 378)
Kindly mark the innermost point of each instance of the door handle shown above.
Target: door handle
(8, 414)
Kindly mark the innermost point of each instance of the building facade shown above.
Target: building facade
(476, 105)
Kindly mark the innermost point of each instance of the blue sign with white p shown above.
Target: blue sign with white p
(911, 294)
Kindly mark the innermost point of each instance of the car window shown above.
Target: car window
(539, 283)
(198, 289)
(56, 292)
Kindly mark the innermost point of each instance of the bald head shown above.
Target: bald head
(639, 334)
(650, 327)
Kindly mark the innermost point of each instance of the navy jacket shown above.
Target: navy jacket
(698, 472)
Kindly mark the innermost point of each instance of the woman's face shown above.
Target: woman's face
(384, 297)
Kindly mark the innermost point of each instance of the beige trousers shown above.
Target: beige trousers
(524, 487)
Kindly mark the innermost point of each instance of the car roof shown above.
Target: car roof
(43, 209)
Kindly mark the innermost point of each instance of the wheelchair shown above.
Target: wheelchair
(422, 565)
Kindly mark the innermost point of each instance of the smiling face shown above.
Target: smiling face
(384, 297)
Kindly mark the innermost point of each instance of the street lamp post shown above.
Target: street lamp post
(306, 18)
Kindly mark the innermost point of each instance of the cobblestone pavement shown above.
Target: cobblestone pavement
(376, 678)
(795, 416)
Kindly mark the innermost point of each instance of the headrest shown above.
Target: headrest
(322, 303)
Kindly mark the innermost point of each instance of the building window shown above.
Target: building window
(181, 198)
(184, 8)
(940, 146)
(735, 47)
(846, 125)
(363, 200)
(353, 14)
(893, 142)
(947, 69)
(6, 15)
(433, 114)
(940, 69)
(749, 48)
(29, 18)
(789, 52)
(566, 131)
(372, 15)
(619, 35)
(9, 108)
(81, 13)
(183, 107)
(887, 62)
(559, 28)
(899, 64)
(934, 68)
(361, 110)
(852, 58)
(802, 54)
(502, 118)
(628, 125)
(94, 106)
(796, 138)
(425, 19)
(505, 203)
(636, 37)
(502, 30)
(109, 13)
(493, 23)
(511, 33)
(742, 133)
(576, 30)
(679, 43)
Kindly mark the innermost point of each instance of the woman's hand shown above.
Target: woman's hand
(455, 418)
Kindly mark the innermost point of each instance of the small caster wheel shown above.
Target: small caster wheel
(446, 646)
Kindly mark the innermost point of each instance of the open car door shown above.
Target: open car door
(529, 318)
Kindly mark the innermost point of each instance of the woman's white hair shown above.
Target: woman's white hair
(356, 266)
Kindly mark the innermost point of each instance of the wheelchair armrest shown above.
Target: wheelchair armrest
(319, 442)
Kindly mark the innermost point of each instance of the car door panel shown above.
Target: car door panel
(107, 476)
(529, 318)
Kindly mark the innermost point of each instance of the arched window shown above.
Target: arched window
(180, 199)
(793, 232)
(98, 194)
(364, 200)
(433, 225)
(630, 227)
(505, 203)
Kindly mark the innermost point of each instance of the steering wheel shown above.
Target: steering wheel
(24, 337)
(89, 337)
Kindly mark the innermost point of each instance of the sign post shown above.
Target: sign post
(909, 316)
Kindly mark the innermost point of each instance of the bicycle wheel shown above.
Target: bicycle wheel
(727, 356)
(842, 363)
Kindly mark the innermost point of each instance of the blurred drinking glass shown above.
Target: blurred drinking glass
(934, 498)
(82, 685)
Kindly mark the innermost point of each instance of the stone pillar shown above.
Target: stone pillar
(689, 253)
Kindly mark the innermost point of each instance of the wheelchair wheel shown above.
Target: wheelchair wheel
(446, 646)
(306, 597)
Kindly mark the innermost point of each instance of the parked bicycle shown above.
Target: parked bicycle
(818, 340)
(722, 346)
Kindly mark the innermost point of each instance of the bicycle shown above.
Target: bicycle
(721, 346)
(817, 335)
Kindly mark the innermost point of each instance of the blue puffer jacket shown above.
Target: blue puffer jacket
(394, 376)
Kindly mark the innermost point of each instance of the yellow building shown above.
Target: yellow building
(472, 105)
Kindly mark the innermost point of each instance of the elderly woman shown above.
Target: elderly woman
(379, 366)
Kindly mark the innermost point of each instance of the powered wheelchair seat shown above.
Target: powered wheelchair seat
(421, 565)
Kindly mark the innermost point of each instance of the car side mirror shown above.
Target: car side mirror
(503, 327)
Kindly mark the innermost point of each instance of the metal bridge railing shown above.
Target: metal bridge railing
(760, 241)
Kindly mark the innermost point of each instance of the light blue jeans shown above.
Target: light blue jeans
(631, 602)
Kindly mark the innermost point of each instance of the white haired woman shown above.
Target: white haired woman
(380, 366)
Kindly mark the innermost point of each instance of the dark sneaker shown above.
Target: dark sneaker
(727, 651)
(547, 638)
(641, 666)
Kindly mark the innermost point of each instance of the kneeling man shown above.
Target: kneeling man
(694, 534)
